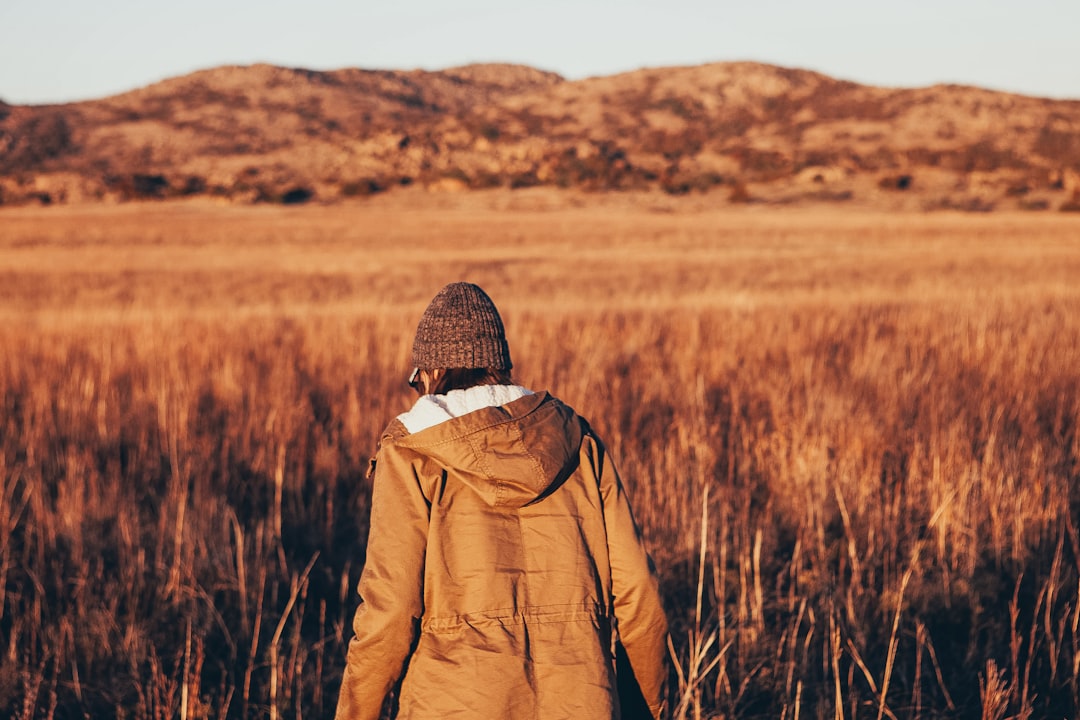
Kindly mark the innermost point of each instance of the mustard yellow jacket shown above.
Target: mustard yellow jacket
(503, 563)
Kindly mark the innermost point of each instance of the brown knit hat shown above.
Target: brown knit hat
(461, 329)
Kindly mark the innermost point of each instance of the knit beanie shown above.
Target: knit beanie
(461, 329)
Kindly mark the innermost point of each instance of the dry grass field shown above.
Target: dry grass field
(851, 440)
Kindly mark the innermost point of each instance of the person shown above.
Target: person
(504, 570)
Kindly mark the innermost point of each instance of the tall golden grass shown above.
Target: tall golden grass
(851, 442)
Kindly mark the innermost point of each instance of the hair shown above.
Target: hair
(465, 378)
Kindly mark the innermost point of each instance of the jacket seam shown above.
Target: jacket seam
(558, 613)
(537, 465)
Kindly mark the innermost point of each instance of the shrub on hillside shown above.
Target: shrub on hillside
(896, 182)
(36, 140)
(297, 196)
(363, 187)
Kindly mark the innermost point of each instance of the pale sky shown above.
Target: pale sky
(61, 50)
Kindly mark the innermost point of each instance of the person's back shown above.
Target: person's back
(503, 562)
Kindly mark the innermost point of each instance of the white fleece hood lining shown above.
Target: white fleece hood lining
(431, 410)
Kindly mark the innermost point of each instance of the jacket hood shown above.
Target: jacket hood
(511, 454)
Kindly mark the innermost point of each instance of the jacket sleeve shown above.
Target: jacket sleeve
(641, 622)
(391, 587)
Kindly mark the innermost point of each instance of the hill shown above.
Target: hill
(270, 134)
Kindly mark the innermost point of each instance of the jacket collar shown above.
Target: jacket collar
(431, 410)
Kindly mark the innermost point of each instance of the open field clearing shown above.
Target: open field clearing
(200, 259)
(851, 440)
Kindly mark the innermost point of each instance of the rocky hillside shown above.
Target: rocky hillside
(742, 130)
